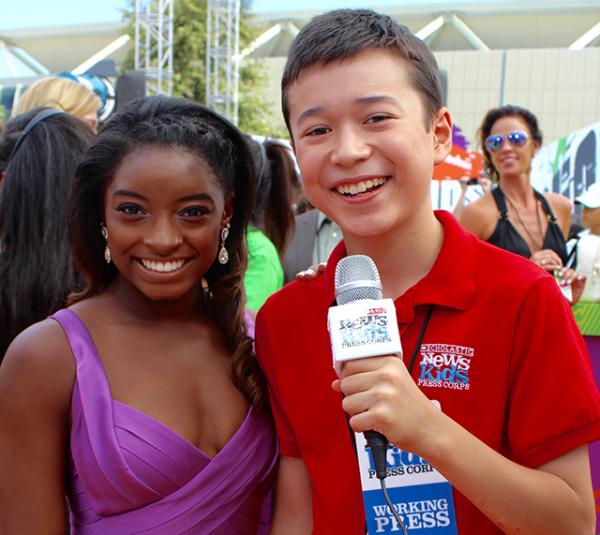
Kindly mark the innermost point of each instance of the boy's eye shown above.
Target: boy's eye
(377, 118)
(130, 209)
(318, 131)
(195, 211)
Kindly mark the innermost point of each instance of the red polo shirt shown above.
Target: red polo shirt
(524, 385)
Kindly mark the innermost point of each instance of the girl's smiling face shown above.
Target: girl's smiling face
(164, 211)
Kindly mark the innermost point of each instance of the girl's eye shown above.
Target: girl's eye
(130, 209)
(194, 211)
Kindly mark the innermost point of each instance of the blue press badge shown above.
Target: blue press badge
(421, 495)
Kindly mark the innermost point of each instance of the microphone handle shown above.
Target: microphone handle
(379, 445)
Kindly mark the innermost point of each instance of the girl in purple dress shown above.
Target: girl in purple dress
(142, 402)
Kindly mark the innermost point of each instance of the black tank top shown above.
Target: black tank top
(507, 237)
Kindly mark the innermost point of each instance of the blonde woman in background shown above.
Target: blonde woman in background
(62, 94)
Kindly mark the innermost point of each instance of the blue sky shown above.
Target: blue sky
(42, 13)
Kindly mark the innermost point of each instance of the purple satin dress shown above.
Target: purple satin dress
(129, 473)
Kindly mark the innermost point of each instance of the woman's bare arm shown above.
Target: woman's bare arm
(36, 382)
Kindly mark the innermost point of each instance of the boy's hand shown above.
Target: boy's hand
(311, 272)
(380, 395)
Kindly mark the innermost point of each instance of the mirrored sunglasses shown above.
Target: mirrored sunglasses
(517, 138)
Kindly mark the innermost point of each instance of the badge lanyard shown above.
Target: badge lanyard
(413, 358)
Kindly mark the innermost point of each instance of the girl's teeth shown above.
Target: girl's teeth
(162, 267)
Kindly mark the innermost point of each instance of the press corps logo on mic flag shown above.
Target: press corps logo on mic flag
(363, 329)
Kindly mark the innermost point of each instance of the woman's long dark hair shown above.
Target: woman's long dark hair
(176, 123)
(276, 186)
(36, 265)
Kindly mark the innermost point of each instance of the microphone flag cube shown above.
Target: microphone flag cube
(365, 328)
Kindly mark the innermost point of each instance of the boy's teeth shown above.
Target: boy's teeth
(162, 267)
(360, 187)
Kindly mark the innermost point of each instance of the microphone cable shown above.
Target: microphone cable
(392, 508)
(379, 445)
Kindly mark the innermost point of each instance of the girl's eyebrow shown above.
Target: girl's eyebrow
(192, 197)
(196, 197)
(127, 193)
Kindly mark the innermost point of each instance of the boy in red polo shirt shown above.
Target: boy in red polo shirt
(363, 106)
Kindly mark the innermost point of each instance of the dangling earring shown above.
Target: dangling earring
(104, 232)
(223, 254)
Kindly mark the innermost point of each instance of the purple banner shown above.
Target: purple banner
(593, 344)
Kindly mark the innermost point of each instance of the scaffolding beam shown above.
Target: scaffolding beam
(223, 57)
(154, 44)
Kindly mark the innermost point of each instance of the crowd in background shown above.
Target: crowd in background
(286, 234)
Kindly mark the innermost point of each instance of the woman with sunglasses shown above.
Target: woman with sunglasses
(514, 216)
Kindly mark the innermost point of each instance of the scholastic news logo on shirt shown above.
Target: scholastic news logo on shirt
(445, 366)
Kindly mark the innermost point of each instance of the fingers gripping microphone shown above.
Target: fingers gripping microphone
(363, 325)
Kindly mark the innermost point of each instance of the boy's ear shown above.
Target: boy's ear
(442, 135)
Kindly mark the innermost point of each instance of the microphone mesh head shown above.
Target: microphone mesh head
(356, 278)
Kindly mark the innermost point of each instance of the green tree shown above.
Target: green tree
(189, 64)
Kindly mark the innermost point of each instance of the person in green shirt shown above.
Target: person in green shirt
(272, 218)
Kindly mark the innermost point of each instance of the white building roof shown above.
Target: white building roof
(456, 26)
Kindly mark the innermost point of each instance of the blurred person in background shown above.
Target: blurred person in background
(62, 94)
(483, 182)
(587, 243)
(272, 221)
(314, 238)
(39, 152)
(513, 215)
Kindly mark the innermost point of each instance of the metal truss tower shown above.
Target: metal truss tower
(222, 57)
(154, 44)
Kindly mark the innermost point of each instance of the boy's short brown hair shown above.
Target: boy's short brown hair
(344, 33)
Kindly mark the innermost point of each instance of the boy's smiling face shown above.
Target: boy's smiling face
(360, 137)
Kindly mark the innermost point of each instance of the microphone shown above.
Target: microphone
(362, 325)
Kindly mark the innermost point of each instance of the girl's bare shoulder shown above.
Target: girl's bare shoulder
(40, 360)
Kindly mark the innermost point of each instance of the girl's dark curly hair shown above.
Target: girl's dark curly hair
(36, 265)
(487, 124)
(177, 123)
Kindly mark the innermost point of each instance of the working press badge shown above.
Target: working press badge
(421, 495)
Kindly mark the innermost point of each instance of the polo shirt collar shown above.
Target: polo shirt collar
(450, 282)
(322, 218)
